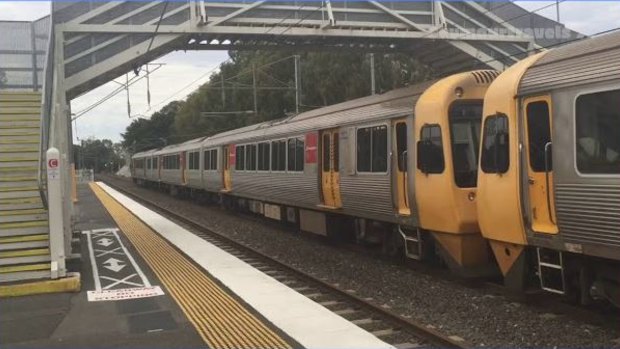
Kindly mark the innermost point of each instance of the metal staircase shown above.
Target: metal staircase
(24, 226)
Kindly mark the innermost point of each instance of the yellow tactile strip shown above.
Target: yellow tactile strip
(221, 321)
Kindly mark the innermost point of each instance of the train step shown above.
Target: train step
(412, 241)
(551, 270)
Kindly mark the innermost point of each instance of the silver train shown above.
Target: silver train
(517, 172)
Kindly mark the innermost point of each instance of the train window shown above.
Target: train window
(363, 149)
(495, 156)
(430, 150)
(155, 163)
(372, 149)
(295, 158)
(538, 134)
(148, 164)
(296, 154)
(597, 122)
(207, 159)
(240, 158)
(194, 161)
(213, 164)
(263, 156)
(299, 154)
(326, 152)
(401, 146)
(250, 157)
(278, 155)
(465, 119)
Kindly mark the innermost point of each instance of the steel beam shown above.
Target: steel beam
(242, 10)
(395, 15)
(291, 32)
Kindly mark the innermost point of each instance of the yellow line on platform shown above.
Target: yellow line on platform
(71, 283)
(220, 319)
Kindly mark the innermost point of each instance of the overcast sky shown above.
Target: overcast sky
(182, 68)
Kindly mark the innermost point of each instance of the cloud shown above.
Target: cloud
(586, 17)
(23, 10)
(110, 119)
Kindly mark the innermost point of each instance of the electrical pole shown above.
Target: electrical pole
(297, 84)
(223, 92)
(254, 88)
(557, 8)
(373, 89)
(127, 89)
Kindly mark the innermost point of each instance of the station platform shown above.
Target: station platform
(148, 282)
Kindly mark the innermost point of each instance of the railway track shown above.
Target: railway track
(400, 331)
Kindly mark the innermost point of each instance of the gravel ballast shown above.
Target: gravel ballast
(475, 315)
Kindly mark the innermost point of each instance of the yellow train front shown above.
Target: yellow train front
(549, 175)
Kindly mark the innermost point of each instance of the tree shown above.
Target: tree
(143, 134)
(327, 78)
(101, 155)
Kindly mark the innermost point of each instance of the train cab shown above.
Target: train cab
(549, 195)
(447, 133)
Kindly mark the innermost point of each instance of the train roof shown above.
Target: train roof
(394, 103)
(586, 61)
(145, 153)
(191, 144)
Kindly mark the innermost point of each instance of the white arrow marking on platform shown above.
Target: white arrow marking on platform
(105, 242)
(114, 264)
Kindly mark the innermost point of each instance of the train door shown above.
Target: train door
(226, 178)
(183, 166)
(539, 164)
(330, 176)
(399, 129)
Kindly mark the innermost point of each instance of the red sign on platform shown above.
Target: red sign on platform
(52, 163)
(311, 147)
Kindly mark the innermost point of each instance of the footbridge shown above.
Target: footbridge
(88, 43)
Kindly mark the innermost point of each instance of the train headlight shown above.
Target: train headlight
(458, 92)
(471, 196)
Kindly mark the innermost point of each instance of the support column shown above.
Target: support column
(373, 88)
(297, 83)
(60, 139)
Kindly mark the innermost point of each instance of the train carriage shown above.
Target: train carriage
(549, 189)
(524, 166)
(346, 168)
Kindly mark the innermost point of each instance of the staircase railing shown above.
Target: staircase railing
(46, 113)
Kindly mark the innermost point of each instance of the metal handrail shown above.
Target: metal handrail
(46, 112)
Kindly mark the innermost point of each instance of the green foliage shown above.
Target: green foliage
(143, 134)
(326, 78)
(100, 155)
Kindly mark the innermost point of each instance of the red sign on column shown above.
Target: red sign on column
(311, 147)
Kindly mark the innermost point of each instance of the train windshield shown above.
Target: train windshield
(465, 118)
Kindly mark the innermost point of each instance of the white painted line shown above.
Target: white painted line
(145, 281)
(105, 238)
(307, 322)
(123, 281)
(93, 261)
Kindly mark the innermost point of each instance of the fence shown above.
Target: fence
(23, 46)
